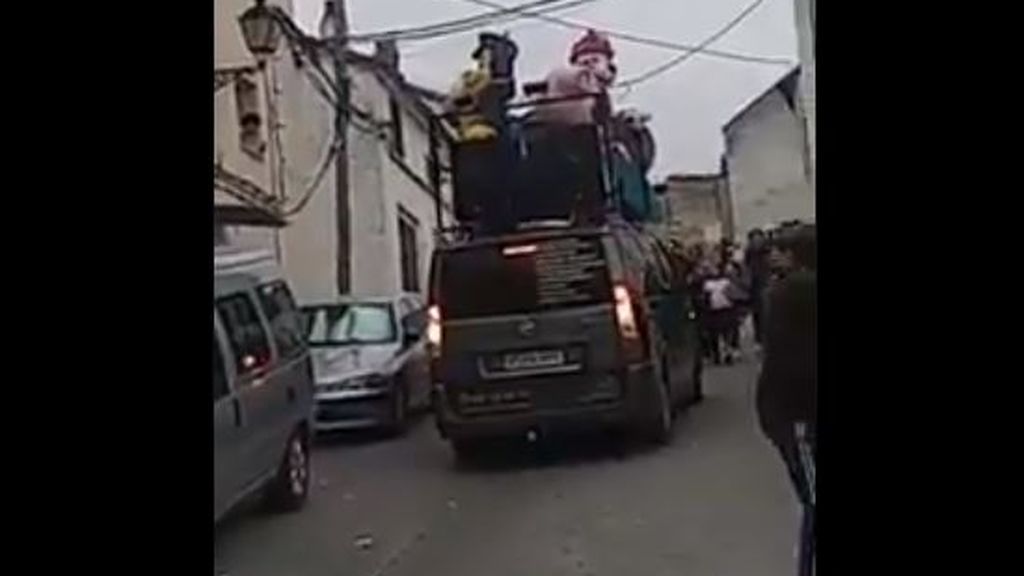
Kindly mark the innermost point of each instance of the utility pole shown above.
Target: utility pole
(335, 11)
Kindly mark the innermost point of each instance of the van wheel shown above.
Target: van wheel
(290, 488)
(467, 450)
(658, 428)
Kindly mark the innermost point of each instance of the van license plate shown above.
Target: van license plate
(533, 360)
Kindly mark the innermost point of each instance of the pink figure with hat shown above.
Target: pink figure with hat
(594, 52)
(591, 70)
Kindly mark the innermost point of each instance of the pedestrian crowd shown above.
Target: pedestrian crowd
(772, 281)
(728, 285)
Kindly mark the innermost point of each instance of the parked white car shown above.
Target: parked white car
(370, 361)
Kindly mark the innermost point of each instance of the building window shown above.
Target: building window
(397, 136)
(408, 228)
(247, 103)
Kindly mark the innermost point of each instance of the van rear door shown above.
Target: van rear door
(527, 310)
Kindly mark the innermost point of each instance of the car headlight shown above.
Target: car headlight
(377, 381)
(331, 386)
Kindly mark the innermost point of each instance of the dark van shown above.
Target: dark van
(560, 328)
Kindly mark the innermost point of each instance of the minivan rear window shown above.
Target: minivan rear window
(283, 316)
(245, 332)
(523, 277)
(220, 379)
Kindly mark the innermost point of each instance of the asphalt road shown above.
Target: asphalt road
(715, 502)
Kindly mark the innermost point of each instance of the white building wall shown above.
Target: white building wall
(310, 241)
(377, 187)
(372, 248)
(229, 51)
(378, 250)
(308, 246)
(689, 208)
(765, 159)
(414, 198)
(299, 111)
(805, 24)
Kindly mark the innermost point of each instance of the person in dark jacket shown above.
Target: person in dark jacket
(788, 383)
(756, 264)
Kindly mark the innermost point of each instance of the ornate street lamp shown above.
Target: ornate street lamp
(260, 30)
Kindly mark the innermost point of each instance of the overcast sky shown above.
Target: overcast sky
(689, 103)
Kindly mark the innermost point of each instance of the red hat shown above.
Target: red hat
(591, 42)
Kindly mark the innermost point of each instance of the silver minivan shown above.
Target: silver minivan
(262, 385)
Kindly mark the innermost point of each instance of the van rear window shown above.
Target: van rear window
(524, 277)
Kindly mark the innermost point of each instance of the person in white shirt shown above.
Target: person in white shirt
(719, 291)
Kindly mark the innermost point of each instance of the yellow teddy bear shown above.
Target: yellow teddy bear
(465, 100)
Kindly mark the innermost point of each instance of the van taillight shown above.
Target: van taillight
(519, 250)
(624, 313)
(434, 328)
(629, 331)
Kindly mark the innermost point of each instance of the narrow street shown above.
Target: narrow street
(715, 502)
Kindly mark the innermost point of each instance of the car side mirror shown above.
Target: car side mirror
(413, 327)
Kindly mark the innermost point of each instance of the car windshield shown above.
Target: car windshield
(356, 323)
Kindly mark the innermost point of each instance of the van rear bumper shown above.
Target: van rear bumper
(635, 403)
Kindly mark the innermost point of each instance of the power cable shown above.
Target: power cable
(439, 26)
(512, 27)
(306, 49)
(643, 40)
(502, 18)
(360, 119)
(326, 160)
(661, 68)
(503, 13)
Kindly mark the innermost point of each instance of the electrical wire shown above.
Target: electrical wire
(481, 18)
(501, 18)
(306, 50)
(250, 193)
(360, 119)
(512, 27)
(665, 66)
(326, 160)
(503, 13)
(642, 40)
